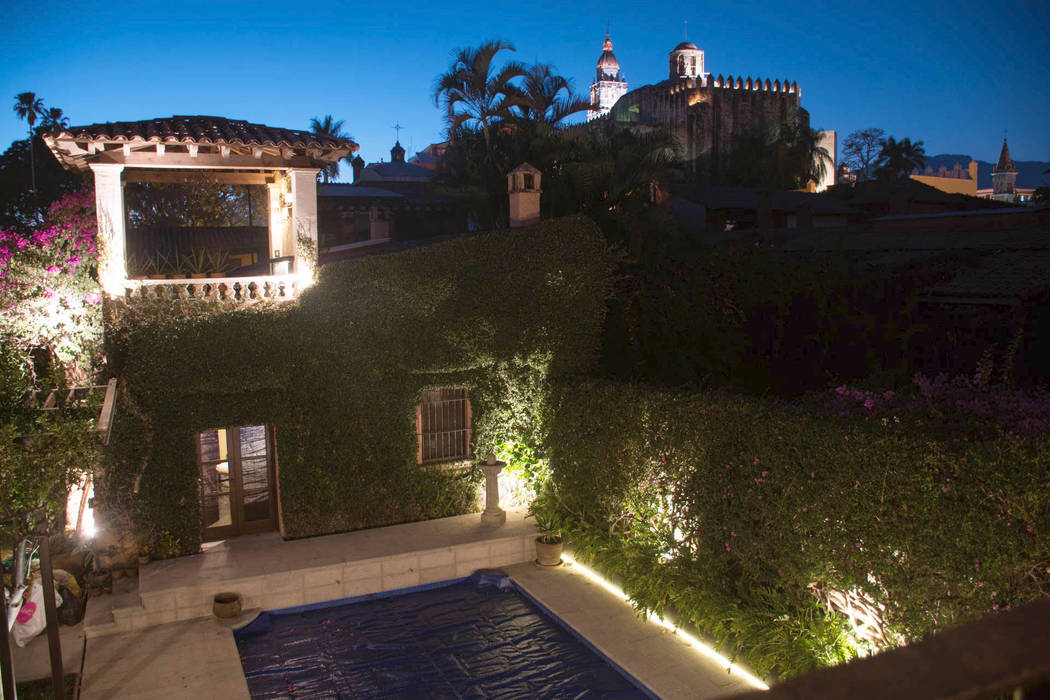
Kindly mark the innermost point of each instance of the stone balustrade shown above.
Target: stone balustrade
(234, 290)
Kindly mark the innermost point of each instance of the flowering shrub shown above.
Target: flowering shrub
(753, 518)
(961, 404)
(49, 294)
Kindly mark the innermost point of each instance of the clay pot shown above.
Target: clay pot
(548, 554)
(226, 605)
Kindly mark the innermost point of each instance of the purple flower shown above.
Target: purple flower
(51, 270)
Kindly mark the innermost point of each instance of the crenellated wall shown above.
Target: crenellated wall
(704, 116)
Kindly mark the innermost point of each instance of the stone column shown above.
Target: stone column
(304, 222)
(279, 221)
(109, 209)
(493, 516)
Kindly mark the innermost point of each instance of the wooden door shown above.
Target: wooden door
(238, 494)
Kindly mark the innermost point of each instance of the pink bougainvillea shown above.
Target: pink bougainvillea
(48, 287)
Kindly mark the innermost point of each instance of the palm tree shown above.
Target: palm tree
(898, 158)
(546, 97)
(332, 129)
(28, 106)
(53, 118)
(472, 95)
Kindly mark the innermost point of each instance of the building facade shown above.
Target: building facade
(705, 113)
(609, 84)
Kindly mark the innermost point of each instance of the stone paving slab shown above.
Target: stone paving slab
(192, 660)
(271, 573)
(661, 660)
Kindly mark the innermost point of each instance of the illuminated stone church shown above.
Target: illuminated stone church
(703, 112)
(609, 84)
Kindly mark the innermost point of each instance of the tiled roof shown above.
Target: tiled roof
(403, 172)
(201, 130)
(143, 143)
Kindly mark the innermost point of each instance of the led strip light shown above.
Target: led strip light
(692, 641)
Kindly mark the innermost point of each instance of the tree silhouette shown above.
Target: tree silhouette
(53, 118)
(333, 129)
(475, 96)
(28, 107)
(860, 151)
(546, 97)
(898, 158)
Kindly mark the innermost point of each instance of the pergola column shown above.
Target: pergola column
(304, 219)
(109, 209)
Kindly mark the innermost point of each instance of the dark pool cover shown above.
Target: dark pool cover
(473, 638)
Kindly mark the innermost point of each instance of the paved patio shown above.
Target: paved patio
(192, 655)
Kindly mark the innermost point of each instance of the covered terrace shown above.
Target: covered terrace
(273, 262)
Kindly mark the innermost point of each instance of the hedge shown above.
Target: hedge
(338, 374)
(747, 516)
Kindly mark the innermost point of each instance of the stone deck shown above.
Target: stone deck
(271, 573)
(198, 659)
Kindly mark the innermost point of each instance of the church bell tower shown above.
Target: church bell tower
(609, 84)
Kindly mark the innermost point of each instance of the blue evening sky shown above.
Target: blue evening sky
(954, 74)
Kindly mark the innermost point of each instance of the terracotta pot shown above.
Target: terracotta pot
(226, 605)
(548, 554)
(143, 560)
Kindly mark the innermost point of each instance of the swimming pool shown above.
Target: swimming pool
(481, 636)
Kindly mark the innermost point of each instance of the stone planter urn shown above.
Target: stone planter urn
(226, 605)
(548, 553)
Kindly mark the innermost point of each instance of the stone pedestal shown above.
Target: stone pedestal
(493, 515)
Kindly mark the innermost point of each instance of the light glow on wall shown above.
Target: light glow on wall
(702, 648)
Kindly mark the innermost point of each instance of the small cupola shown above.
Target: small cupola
(523, 186)
(687, 61)
(397, 153)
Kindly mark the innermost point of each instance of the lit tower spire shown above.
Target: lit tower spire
(609, 83)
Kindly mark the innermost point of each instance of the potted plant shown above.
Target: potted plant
(194, 263)
(218, 260)
(159, 267)
(545, 509)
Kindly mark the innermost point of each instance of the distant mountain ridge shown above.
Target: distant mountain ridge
(1030, 173)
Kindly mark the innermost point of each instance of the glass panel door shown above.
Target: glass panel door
(237, 484)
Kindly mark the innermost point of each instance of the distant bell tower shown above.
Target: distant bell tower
(609, 84)
(1004, 176)
(687, 61)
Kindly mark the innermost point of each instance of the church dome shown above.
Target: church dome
(686, 46)
(608, 60)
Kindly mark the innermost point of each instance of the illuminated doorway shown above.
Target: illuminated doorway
(238, 494)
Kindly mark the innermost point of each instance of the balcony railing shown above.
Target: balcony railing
(233, 290)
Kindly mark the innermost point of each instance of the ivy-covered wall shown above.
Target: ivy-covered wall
(752, 517)
(338, 374)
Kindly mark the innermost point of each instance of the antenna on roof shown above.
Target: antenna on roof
(686, 31)
(397, 128)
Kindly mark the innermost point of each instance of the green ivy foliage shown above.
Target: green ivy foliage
(338, 374)
(728, 510)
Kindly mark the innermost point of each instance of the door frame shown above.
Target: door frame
(237, 525)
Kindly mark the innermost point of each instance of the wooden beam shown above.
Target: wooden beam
(257, 152)
(160, 149)
(177, 176)
(204, 161)
(127, 149)
(192, 148)
(224, 151)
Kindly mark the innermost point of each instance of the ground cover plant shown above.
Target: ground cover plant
(794, 536)
(339, 373)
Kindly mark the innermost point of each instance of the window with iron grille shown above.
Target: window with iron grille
(443, 426)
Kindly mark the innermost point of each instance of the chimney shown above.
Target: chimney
(358, 164)
(523, 187)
